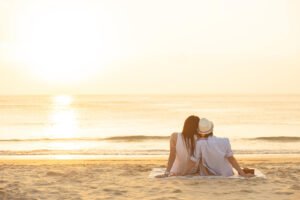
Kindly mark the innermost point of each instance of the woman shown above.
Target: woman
(182, 146)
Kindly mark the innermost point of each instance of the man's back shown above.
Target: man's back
(213, 152)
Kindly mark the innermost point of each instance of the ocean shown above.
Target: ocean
(108, 126)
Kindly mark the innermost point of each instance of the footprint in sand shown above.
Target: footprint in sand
(295, 187)
(247, 191)
(53, 173)
(177, 191)
(284, 193)
(116, 192)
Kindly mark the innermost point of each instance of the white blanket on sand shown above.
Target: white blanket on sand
(158, 171)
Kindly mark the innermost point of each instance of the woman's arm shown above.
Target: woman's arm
(203, 170)
(172, 154)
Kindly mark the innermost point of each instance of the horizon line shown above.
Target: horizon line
(150, 94)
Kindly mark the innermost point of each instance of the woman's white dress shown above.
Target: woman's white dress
(182, 163)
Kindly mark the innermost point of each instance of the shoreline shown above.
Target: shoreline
(75, 157)
(274, 158)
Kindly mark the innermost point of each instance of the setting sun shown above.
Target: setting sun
(60, 44)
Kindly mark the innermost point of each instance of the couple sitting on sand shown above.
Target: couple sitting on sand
(197, 151)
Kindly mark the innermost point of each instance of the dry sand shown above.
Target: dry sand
(128, 179)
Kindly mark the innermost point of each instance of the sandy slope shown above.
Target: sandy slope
(128, 179)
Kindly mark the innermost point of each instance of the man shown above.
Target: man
(214, 153)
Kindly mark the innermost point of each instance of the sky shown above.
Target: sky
(149, 47)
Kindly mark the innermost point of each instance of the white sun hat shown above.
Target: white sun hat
(205, 126)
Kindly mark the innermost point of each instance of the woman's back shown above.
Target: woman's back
(182, 163)
(179, 162)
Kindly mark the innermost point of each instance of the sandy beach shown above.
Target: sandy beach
(128, 179)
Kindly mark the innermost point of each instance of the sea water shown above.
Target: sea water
(70, 126)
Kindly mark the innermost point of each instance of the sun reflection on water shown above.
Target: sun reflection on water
(62, 100)
(63, 118)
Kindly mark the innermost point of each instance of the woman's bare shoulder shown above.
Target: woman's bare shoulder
(173, 138)
(174, 135)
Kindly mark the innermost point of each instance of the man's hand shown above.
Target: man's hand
(243, 174)
(237, 167)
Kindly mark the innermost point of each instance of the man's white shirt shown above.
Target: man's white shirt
(213, 153)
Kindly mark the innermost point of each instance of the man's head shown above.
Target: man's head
(205, 127)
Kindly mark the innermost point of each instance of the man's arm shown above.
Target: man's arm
(233, 161)
(237, 167)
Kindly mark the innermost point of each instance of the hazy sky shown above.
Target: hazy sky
(136, 46)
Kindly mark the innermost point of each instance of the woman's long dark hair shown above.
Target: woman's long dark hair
(190, 129)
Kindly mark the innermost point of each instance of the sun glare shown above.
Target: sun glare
(61, 44)
(63, 118)
(64, 124)
(62, 100)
